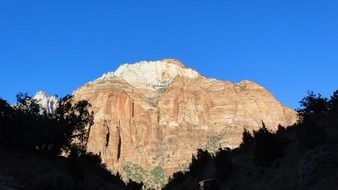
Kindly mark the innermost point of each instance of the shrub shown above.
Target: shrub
(223, 164)
(199, 162)
(158, 175)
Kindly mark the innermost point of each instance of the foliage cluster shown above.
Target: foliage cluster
(26, 126)
(29, 129)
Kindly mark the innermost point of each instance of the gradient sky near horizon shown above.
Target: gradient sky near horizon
(287, 46)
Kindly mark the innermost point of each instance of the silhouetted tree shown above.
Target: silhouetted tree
(267, 147)
(27, 128)
(334, 102)
(27, 104)
(77, 120)
(223, 164)
(247, 139)
(313, 105)
(199, 162)
(24, 126)
(5, 108)
(176, 180)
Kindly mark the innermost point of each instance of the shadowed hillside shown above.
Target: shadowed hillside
(302, 156)
(32, 142)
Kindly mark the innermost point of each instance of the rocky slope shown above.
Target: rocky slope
(150, 117)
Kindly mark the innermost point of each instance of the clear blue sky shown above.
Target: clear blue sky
(287, 46)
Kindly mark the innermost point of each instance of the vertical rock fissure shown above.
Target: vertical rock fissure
(132, 109)
(158, 117)
(107, 137)
(119, 146)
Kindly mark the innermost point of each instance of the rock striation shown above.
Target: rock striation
(151, 116)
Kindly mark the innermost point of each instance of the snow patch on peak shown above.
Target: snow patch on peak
(47, 103)
(155, 74)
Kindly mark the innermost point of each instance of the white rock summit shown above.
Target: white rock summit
(154, 74)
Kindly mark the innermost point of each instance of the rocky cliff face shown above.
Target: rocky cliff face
(150, 117)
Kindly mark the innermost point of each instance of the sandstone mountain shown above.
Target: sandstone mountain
(151, 116)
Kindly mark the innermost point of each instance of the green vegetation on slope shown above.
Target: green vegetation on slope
(155, 178)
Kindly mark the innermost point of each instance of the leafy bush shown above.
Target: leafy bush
(158, 175)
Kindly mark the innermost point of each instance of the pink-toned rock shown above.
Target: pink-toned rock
(157, 114)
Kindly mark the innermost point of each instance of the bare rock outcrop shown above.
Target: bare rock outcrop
(152, 116)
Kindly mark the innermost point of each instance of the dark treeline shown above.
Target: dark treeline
(302, 156)
(26, 126)
(27, 131)
(47, 151)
